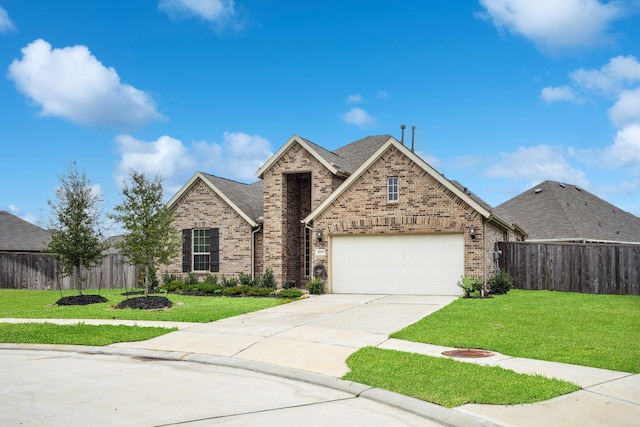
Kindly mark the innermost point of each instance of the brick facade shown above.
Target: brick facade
(201, 207)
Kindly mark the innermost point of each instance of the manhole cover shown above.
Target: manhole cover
(467, 352)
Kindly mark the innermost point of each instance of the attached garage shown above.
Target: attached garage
(410, 264)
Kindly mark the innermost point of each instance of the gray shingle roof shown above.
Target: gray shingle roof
(247, 197)
(557, 211)
(18, 235)
(355, 154)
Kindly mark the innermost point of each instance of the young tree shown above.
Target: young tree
(77, 241)
(150, 237)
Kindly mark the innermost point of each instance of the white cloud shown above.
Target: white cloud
(626, 110)
(219, 12)
(356, 98)
(166, 157)
(537, 164)
(72, 84)
(237, 157)
(559, 93)
(619, 73)
(555, 24)
(625, 150)
(382, 94)
(5, 22)
(358, 117)
(29, 217)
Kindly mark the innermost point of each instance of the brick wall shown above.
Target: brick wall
(281, 253)
(200, 207)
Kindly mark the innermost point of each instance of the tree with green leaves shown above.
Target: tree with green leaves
(76, 241)
(150, 238)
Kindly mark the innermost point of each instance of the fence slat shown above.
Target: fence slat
(573, 267)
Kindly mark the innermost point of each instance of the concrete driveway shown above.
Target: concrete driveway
(316, 334)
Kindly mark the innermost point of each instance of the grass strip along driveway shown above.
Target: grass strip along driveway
(593, 330)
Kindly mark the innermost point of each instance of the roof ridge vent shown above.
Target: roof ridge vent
(561, 184)
(538, 190)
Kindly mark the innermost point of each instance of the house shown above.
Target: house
(369, 217)
(558, 212)
(18, 235)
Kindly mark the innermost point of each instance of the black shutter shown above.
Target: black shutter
(214, 250)
(186, 250)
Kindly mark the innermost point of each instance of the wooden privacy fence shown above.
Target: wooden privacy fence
(573, 267)
(37, 271)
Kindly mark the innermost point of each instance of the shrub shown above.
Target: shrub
(268, 280)
(472, 286)
(210, 279)
(229, 282)
(168, 278)
(500, 283)
(191, 279)
(235, 290)
(245, 279)
(191, 288)
(315, 286)
(174, 286)
(289, 284)
(258, 292)
(209, 288)
(290, 293)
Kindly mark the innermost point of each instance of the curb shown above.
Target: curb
(431, 411)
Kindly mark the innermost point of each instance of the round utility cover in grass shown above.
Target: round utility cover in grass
(407, 264)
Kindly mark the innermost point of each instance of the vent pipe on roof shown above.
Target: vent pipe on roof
(402, 137)
(413, 136)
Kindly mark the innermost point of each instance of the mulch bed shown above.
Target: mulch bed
(81, 300)
(146, 303)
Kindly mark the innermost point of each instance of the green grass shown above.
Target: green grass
(77, 334)
(602, 331)
(41, 305)
(448, 382)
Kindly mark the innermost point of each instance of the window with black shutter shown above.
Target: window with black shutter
(214, 249)
(186, 250)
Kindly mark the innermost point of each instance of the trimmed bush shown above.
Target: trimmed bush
(210, 279)
(290, 293)
(258, 292)
(289, 285)
(268, 280)
(315, 286)
(191, 279)
(500, 283)
(245, 279)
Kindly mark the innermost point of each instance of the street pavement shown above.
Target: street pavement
(301, 344)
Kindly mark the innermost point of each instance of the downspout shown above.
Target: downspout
(308, 227)
(484, 256)
(253, 250)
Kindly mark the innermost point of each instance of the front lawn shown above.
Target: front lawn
(602, 331)
(448, 382)
(41, 305)
(77, 334)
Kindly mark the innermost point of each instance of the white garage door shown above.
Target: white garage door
(397, 264)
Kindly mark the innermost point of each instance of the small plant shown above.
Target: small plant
(290, 293)
(168, 278)
(500, 283)
(174, 286)
(290, 284)
(268, 280)
(245, 279)
(235, 290)
(315, 286)
(210, 279)
(472, 286)
(191, 279)
(258, 292)
(229, 282)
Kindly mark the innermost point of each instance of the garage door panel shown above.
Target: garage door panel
(397, 264)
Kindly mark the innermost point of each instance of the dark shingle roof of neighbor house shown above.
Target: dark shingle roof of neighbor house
(557, 211)
(247, 197)
(18, 235)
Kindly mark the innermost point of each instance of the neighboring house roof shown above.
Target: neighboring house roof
(565, 212)
(245, 199)
(18, 235)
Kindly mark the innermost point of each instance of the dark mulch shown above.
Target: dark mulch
(146, 303)
(81, 300)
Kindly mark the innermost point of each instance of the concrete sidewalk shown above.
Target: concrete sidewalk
(316, 335)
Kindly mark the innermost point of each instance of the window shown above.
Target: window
(392, 189)
(201, 249)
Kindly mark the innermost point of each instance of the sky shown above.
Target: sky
(503, 94)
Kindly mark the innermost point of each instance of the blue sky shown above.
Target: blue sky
(504, 94)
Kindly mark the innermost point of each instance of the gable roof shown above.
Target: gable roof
(475, 202)
(18, 235)
(565, 212)
(245, 199)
